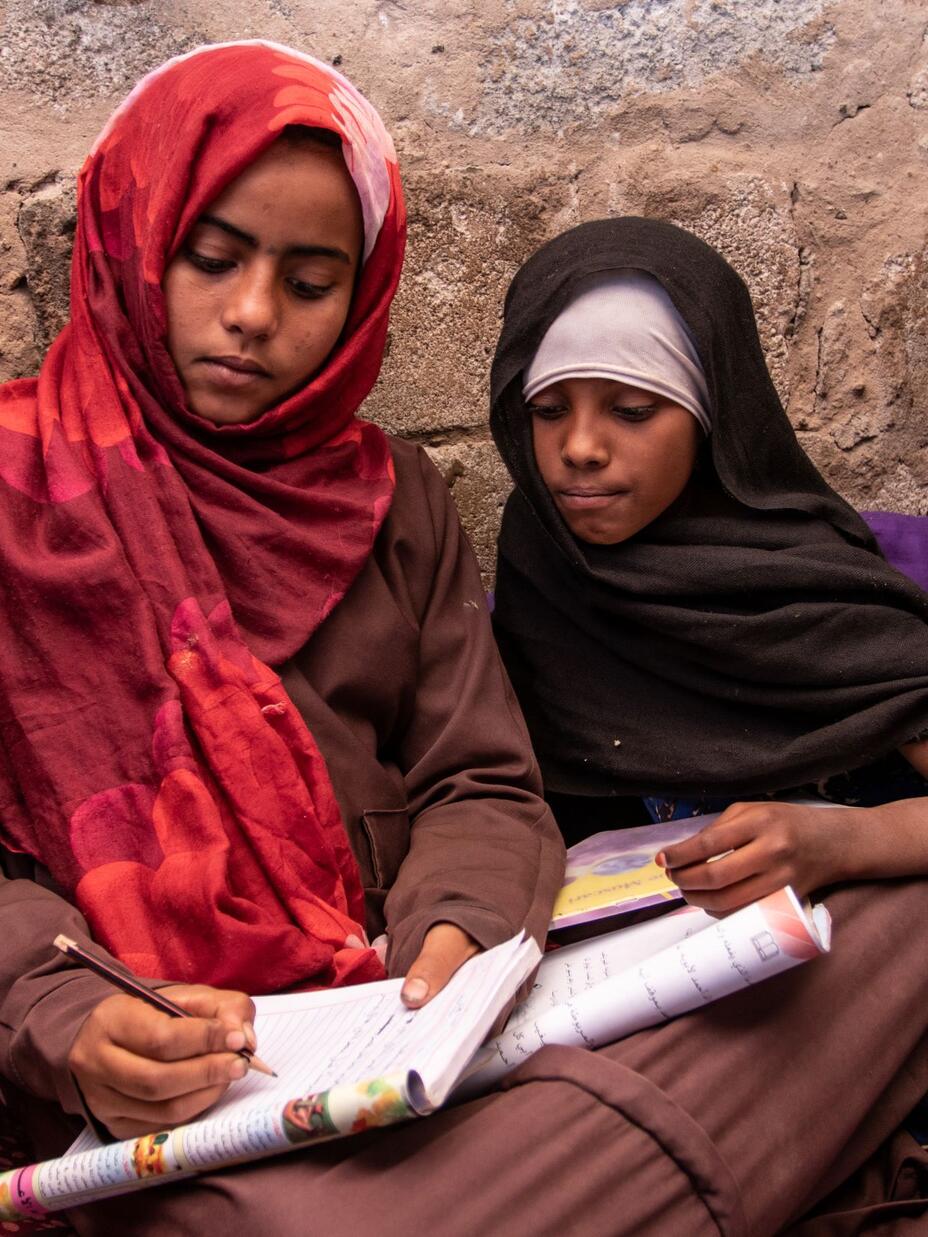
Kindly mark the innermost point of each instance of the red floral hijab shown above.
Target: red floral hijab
(155, 565)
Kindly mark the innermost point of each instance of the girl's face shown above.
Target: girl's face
(614, 457)
(259, 291)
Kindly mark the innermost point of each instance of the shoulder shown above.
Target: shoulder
(416, 475)
(422, 504)
(421, 541)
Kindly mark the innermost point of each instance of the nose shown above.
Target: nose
(250, 307)
(583, 444)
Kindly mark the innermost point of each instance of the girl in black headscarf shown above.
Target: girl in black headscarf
(687, 610)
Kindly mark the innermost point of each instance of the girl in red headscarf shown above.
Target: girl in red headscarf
(249, 717)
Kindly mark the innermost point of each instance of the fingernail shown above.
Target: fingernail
(236, 1041)
(660, 859)
(415, 991)
(250, 1038)
(238, 1069)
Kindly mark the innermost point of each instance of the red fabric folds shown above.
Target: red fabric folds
(156, 565)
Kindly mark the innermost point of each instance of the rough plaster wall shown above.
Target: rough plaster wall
(792, 134)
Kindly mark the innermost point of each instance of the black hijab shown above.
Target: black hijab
(751, 638)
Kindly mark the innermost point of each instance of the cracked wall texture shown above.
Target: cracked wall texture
(791, 134)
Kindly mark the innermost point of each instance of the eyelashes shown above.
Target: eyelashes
(640, 412)
(301, 288)
(212, 266)
(547, 412)
(309, 291)
(553, 412)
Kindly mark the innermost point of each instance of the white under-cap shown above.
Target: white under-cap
(622, 325)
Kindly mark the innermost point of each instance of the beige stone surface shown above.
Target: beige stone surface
(792, 134)
(478, 480)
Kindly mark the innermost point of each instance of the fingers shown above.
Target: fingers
(444, 949)
(233, 1010)
(155, 1081)
(733, 828)
(128, 1118)
(149, 1033)
(136, 1064)
(738, 865)
(716, 867)
(733, 897)
(754, 849)
(730, 863)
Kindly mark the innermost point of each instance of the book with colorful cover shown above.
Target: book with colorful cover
(347, 1060)
(612, 879)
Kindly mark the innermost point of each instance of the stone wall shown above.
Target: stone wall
(792, 134)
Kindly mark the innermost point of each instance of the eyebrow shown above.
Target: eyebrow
(310, 251)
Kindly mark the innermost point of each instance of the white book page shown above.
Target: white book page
(566, 972)
(316, 1039)
(732, 953)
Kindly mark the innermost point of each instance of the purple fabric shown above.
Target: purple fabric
(904, 541)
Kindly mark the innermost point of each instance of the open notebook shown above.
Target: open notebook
(347, 1059)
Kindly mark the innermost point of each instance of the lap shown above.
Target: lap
(543, 1158)
(733, 1120)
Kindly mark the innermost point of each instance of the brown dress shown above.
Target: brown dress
(736, 1120)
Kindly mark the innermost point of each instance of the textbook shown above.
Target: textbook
(354, 1059)
(599, 990)
(612, 880)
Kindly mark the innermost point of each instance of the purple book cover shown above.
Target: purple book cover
(614, 873)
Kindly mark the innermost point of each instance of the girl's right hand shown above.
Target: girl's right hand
(756, 848)
(140, 1070)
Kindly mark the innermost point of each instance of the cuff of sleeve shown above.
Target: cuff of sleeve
(486, 926)
(39, 1052)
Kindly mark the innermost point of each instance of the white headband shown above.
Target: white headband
(622, 325)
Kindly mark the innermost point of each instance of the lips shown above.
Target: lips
(241, 365)
(591, 491)
(580, 498)
(233, 371)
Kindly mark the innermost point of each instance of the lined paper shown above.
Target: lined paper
(316, 1039)
(566, 972)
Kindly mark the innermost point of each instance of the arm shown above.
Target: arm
(64, 1035)
(44, 1000)
(774, 844)
(485, 853)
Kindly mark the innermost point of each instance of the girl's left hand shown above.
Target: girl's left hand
(761, 847)
(445, 948)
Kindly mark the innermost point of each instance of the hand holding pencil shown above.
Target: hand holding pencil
(139, 1070)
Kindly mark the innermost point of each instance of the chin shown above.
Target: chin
(604, 538)
(224, 413)
(598, 534)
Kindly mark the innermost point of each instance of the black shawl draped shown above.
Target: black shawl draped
(750, 639)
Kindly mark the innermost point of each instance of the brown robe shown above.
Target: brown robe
(736, 1120)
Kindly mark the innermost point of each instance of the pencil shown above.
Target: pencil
(127, 982)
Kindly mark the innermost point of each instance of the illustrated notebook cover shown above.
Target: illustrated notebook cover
(612, 877)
